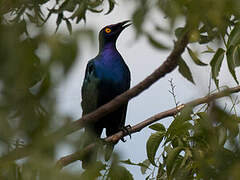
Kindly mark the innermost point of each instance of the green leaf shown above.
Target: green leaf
(234, 37)
(232, 57)
(80, 13)
(143, 165)
(187, 155)
(216, 63)
(227, 120)
(179, 32)
(94, 172)
(158, 127)
(171, 158)
(184, 70)
(31, 18)
(117, 172)
(237, 56)
(147, 178)
(146, 162)
(156, 43)
(161, 29)
(95, 10)
(209, 50)
(153, 144)
(180, 126)
(195, 58)
(128, 161)
(161, 174)
(69, 26)
(194, 36)
(59, 19)
(222, 135)
(205, 39)
(111, 6)
(138, 18)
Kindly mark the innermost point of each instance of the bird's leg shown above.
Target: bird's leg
(125, 129)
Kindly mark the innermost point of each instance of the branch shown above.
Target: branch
(168, 65)
(64, 161)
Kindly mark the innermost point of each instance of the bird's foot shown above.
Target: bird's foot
(125, 129)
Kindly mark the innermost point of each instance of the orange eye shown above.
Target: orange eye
(107, 30)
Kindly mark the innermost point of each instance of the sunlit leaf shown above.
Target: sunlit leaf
(153, 144)
(184, 70)
(216, 63)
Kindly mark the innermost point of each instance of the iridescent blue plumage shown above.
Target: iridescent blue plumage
(107, 76)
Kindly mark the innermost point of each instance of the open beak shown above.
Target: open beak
(125, 24)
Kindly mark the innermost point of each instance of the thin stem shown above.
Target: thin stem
(138, 127)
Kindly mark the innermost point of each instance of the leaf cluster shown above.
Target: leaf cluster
(197, 145)
(34, 12)
(201, 145)
(31, 66)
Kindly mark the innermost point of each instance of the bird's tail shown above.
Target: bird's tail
(90, 156)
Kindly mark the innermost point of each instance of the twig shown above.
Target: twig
(172, 91)
(168, 66)
(138, 127)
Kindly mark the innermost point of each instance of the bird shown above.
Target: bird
(106, 76)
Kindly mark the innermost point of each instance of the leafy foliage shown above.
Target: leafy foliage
(197, 145)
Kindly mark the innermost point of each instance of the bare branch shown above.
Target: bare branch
(64, 161)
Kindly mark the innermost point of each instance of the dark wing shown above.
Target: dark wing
(90, 89)
(90, 97)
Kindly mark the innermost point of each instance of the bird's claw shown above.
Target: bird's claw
(125, 129)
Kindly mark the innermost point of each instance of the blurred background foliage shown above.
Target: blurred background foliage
(201, 143)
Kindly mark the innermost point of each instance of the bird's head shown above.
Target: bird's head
(110, 33)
